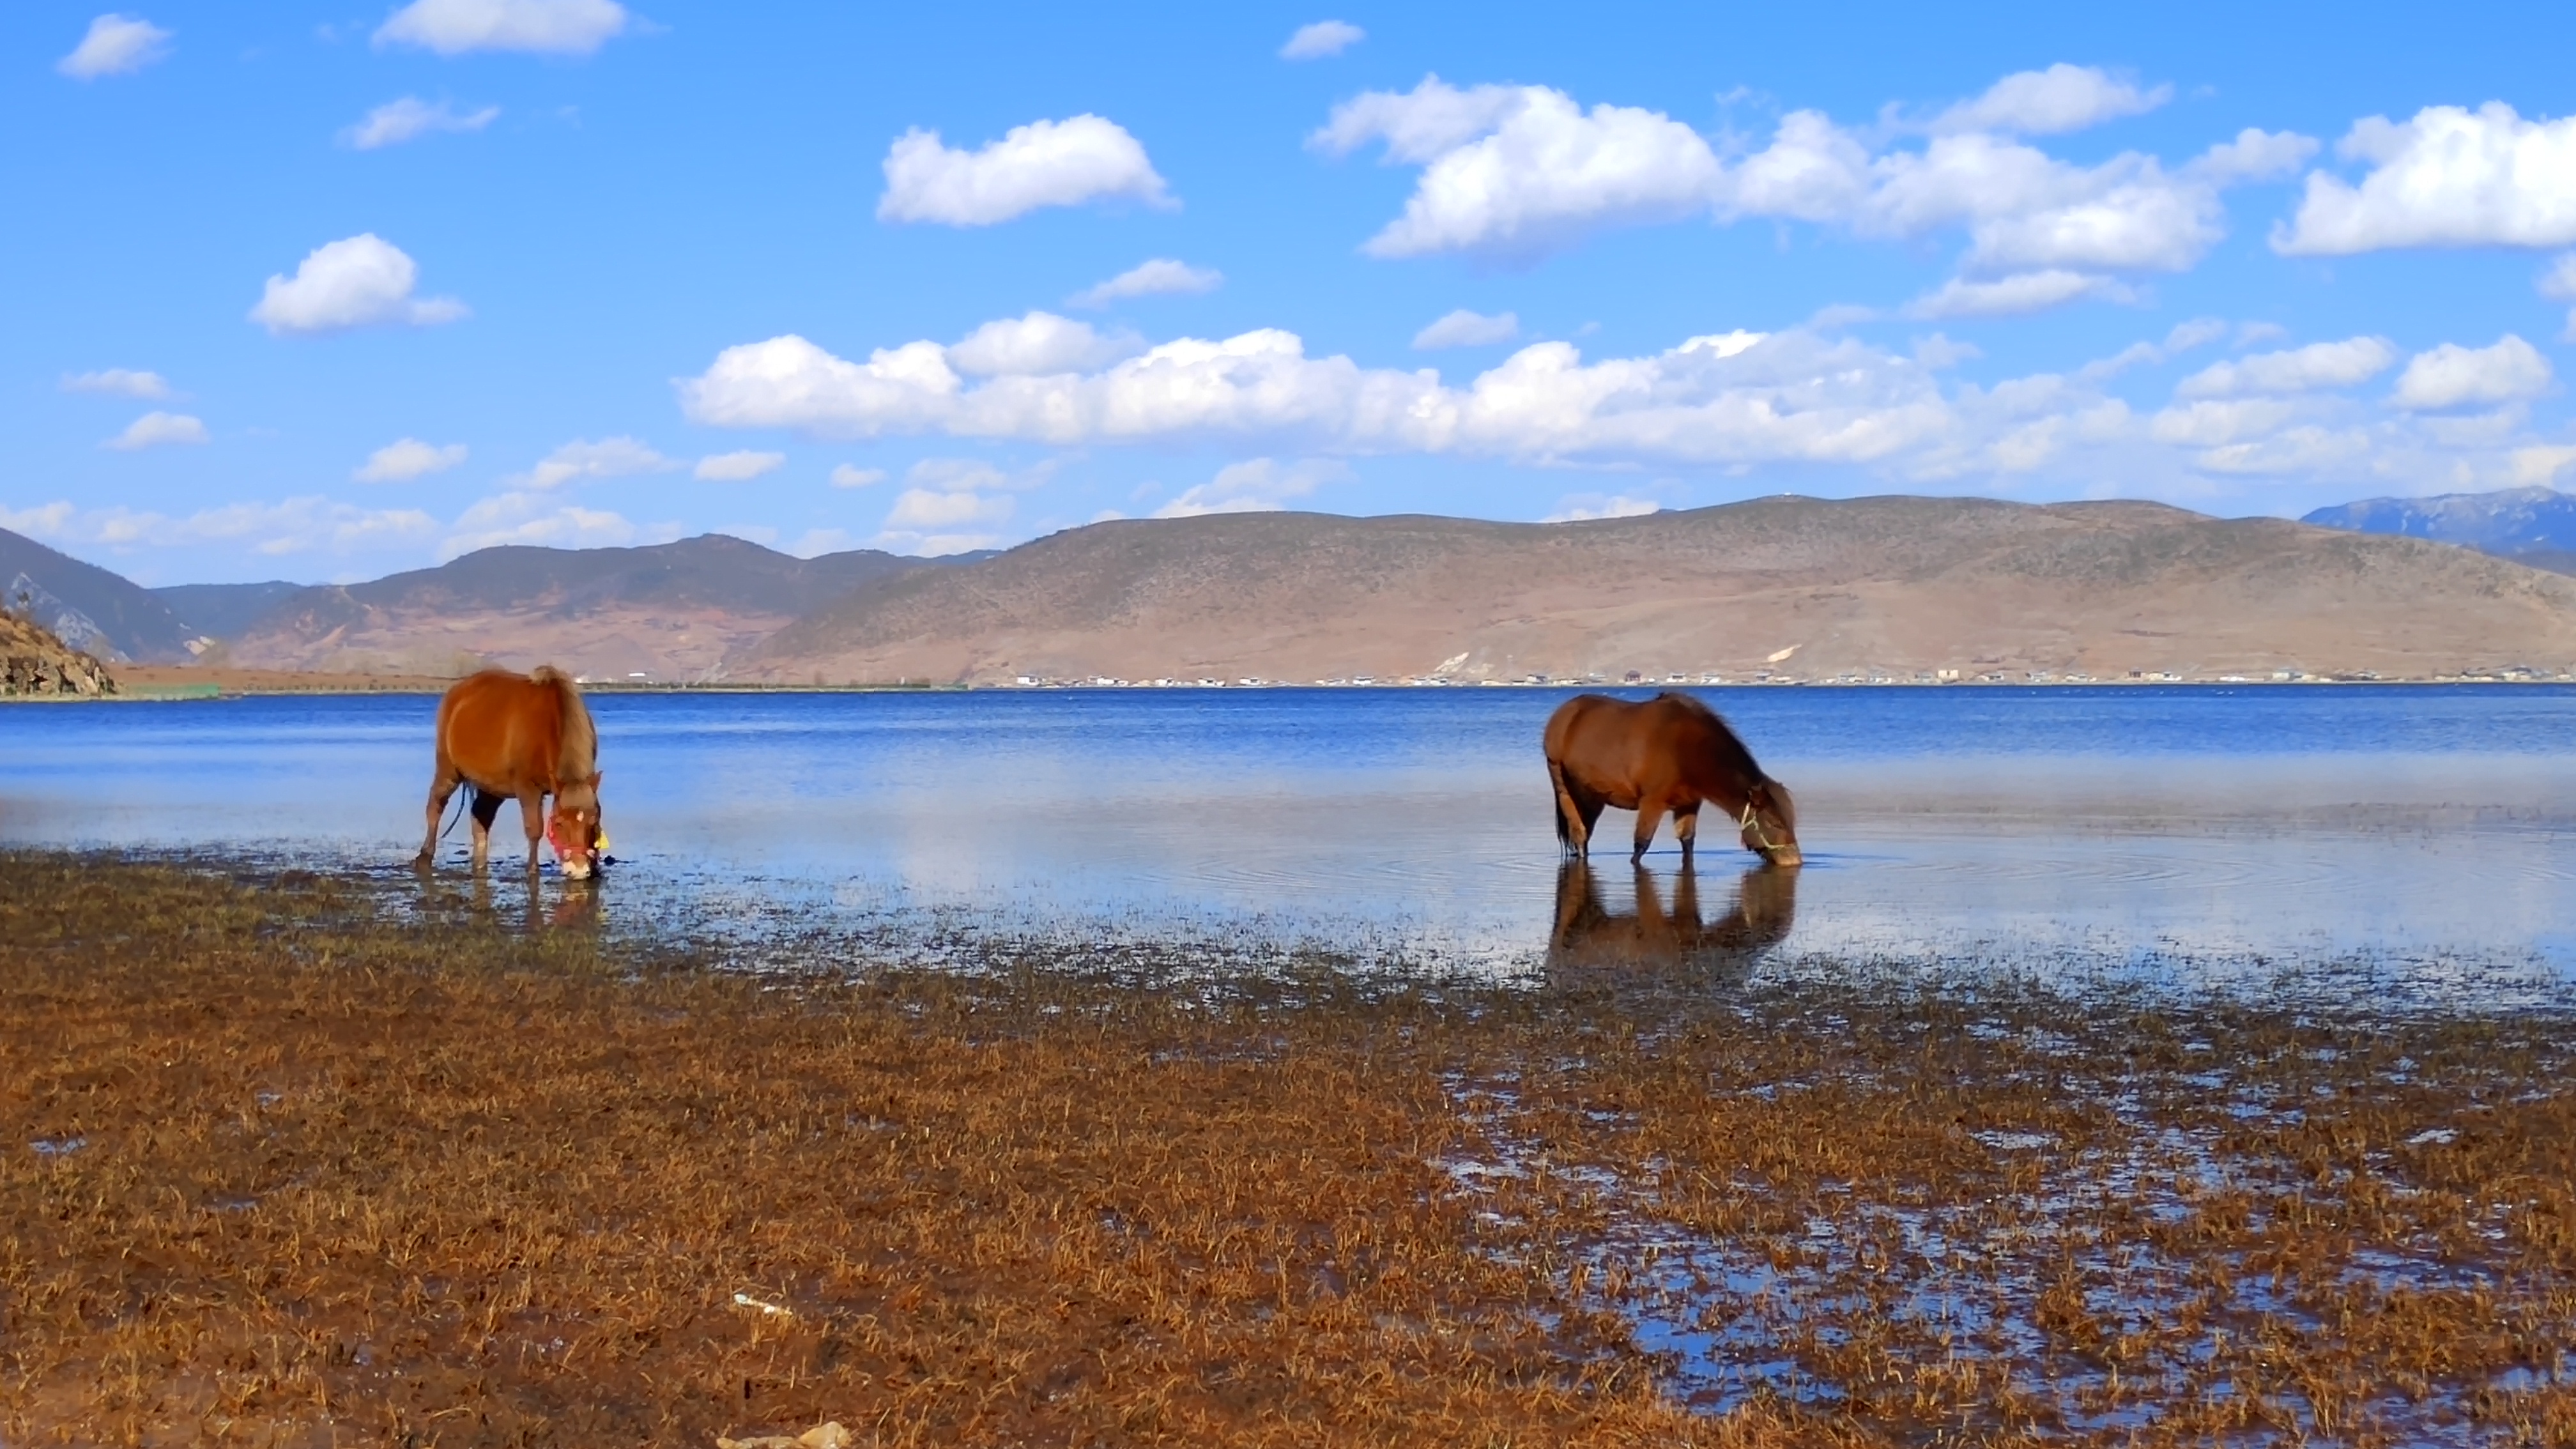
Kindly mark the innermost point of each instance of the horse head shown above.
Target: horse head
(574, 828)
(1769, 823)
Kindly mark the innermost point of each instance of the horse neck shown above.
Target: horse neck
(577, 743)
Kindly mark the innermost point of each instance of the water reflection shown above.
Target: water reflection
(1590, 937)
(520, 901)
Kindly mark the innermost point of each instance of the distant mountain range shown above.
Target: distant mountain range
(1814, 589)
(1802, 587)
(670, 611)
(2536, 526)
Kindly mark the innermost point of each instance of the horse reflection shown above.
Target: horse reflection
(576, 907)
(1589, 938)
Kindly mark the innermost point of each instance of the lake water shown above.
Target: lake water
(2426, 832)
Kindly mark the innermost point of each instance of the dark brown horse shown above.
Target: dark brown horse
(1589, 938)
(523, 737)
(1670, 753)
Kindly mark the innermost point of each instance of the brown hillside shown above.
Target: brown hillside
(34, 661)
(666, 611)
(1898, 586)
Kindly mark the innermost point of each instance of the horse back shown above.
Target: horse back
(505, 733)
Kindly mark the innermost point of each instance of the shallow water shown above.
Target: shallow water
(2430, 832)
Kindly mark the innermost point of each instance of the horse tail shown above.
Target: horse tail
(1556, 801)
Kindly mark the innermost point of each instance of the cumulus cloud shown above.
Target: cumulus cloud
(1258, 485)
(115, 45)
(2011, 296)
(2049, 102)
(294, 525)
(122, 382)
(1045, 163)
(2348, 363)
(1463, 328)
(1517, 171)
(411, 118)
(2198, 332)
(1323, 38)
(2559, 283)
(1513, 172)
(738, 467)
(1161, 276)
(1721, 398)
(2449, 177)
(847, 476)
(405, 459)
(545, 27)
(158, 429)
(546, 521)
(618, 457)
(359, 281)
(1584, 507)
(2452, 376)
(1034, 345)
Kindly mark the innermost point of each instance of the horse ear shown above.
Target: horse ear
(595, 777)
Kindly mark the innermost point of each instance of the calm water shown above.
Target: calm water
(2158, 830)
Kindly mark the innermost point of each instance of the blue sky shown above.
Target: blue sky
(320, 292)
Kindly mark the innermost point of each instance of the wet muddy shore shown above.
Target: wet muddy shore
(287, 1159)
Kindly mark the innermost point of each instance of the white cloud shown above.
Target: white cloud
(1463, 328)
(1735, 397)
(2452, 376)
(2048, 102)
(2348, 363)
(123, 382)
(2208, 424)
(294, 525)
(738, 467)
(2254, 155)
(1045, 163)
(846, 476)
(404, 459)
(156, 429)
(115, 45)
(2558, 284)
(359, 281)
(2198, 332)
(2449, 177)
(1160, 276)
(2296, 450)
(410, 118)
(2011, 296)
(1323, 38)
(45, 520)
(1034, 345)
(1519, 171)
(545, 521)
(618, 457)
(924, 510)
(1258, 485)
(1584, 507)
(546, 27)
(1512, 172)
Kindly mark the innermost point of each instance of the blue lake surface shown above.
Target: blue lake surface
(2162, 830)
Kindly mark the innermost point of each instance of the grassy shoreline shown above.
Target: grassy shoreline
(280, 1166)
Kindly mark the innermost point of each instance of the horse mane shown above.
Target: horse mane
(1730, 752)
(578, 755)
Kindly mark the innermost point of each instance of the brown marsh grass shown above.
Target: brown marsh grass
(278, 1168)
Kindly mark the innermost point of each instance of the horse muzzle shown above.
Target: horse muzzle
(1784, 856)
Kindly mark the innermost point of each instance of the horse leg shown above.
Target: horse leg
(442, 787)
(1686, 829)
(532, 818)
(1650, 813)
(487, 808)
(1587, 808)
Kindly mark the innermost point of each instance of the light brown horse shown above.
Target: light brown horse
(1670, 753)
(523, 737)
